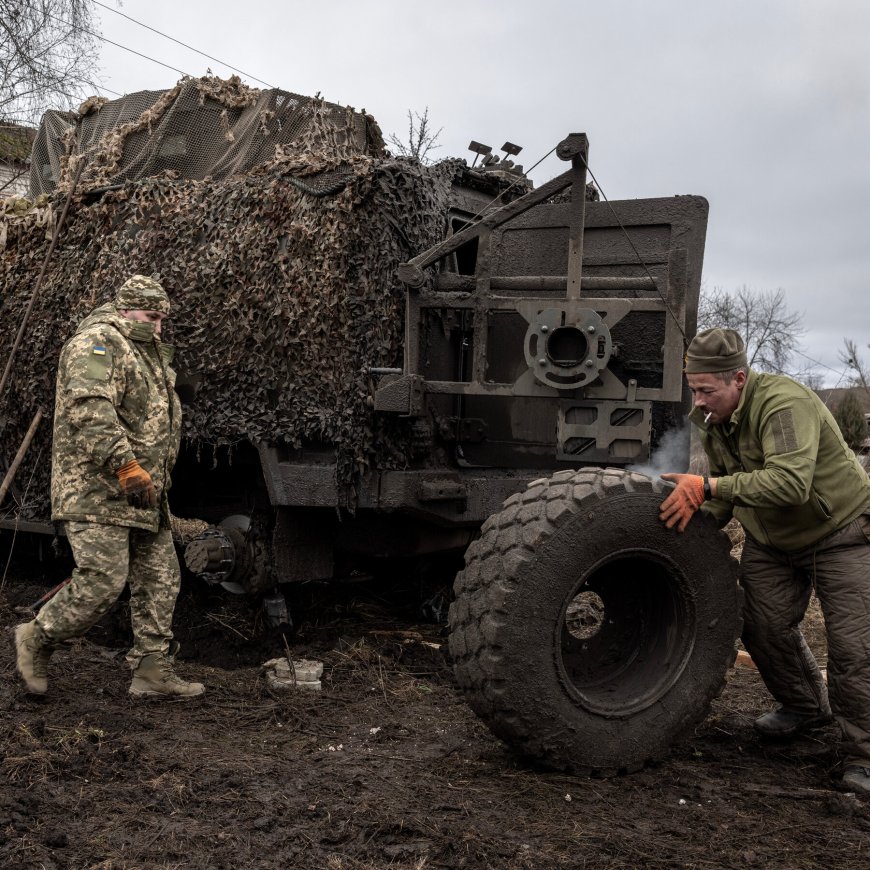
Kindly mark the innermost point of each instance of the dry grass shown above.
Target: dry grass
(737, 536)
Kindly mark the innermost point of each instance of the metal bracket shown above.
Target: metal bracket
(401, 395)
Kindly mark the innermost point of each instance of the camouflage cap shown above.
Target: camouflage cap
(141, 293)
(715, 350)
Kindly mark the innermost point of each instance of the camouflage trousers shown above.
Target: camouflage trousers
(107, 557)
(777, 589)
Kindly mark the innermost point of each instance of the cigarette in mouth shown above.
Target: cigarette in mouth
(708, 416)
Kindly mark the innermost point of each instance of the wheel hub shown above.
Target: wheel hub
(626, 633)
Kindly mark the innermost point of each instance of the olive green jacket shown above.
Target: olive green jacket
(783, 468)
(115, 402)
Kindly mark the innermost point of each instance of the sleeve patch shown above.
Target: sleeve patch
(784, 438)
(99, 364)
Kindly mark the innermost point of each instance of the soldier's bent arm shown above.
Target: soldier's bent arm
(789, 433)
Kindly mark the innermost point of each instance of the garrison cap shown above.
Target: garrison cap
(715, 350)
(141, 293)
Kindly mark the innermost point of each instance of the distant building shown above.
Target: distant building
(15, 144)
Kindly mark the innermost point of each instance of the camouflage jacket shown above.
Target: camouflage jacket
(115, 402)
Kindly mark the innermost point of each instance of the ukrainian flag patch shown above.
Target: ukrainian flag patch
(98, 364)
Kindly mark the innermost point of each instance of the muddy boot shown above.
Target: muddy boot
(785, 723)
(154, 677)
(33, 651)
(857, 779)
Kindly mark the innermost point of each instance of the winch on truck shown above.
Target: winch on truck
(381, 359)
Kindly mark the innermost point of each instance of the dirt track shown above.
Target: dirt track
(386, 767)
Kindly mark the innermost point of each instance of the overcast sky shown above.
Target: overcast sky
(761, 106)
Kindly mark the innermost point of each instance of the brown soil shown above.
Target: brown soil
(386, 767)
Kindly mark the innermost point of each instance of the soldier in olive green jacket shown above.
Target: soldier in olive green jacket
(779, 465)
(117, 428)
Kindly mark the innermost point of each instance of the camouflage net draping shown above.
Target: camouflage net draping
(202, 128)
(282, 301)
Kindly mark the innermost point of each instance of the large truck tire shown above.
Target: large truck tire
(583, 632)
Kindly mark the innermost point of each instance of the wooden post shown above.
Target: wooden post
(19, 456)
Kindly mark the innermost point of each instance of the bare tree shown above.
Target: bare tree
(48, 54)
(771, 331)
(859, 371)
(421, 140)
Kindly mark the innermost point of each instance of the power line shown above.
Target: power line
(154, 59)
(109, 90)
(139, 54)
(823, 365)
(183, 44)
(840, 377)
(124, 47)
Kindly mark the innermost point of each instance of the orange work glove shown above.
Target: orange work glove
(137, 485)
(680, 506)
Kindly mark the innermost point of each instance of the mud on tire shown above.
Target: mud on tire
(586, 634)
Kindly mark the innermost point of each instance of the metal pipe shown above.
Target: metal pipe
(448, 281)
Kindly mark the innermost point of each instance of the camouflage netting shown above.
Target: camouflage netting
(282, 300)
(202, 128)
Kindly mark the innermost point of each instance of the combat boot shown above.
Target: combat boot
(857, 779)
(154, 677)
(784, 723)
(33, 651)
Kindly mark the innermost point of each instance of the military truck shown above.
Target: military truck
(514, 373)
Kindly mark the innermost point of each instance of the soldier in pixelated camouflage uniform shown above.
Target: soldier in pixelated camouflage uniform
(117, 428)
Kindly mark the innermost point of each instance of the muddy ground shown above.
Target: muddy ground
(385, 767)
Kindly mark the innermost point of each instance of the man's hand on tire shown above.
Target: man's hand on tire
(681, 505)
(137, 485)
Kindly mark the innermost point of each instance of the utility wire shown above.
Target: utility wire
(637, 254)
(819, 363)
(183, 44)
(139, 54)
(840, 379)
(124, 47)
(102, 87)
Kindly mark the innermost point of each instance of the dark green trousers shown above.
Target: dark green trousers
(777, 587)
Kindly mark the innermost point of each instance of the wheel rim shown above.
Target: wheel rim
(625, 632)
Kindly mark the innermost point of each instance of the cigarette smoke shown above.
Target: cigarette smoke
(672, 455)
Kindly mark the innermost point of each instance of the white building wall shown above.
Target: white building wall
(14, 179)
